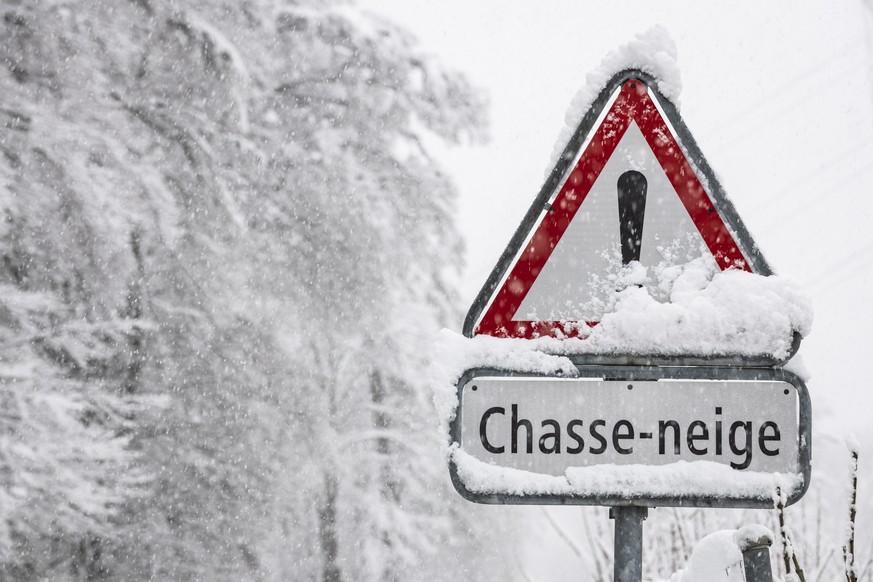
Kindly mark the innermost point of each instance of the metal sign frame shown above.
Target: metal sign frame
(553, 182)
(635, 373)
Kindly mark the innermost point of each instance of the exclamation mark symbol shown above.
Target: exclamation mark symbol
(631, 211)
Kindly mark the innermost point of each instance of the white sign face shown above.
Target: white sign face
(575, 283)
(547, 425)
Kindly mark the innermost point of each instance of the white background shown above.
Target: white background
(779, 98)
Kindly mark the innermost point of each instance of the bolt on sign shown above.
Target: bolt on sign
(631, 188)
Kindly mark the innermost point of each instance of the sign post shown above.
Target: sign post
(628, 545)
(633, 429)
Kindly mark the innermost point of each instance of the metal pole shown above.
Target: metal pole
(628, 554)
(756, 559)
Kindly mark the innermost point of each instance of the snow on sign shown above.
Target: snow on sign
(632, 246)
(657, 437)
(631, 189)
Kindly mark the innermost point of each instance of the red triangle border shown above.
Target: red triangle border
(633, 103)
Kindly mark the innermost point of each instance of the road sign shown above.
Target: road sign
(631, 186)
(618, 435)
(630, 197)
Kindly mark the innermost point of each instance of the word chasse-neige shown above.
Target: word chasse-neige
(699, 439)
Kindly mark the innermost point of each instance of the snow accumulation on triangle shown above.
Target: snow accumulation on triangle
(685, 278)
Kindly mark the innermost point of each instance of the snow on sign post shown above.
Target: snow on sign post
(627, 349)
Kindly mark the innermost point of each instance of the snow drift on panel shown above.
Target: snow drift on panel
(678, 480)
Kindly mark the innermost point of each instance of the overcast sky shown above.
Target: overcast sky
(778, 96)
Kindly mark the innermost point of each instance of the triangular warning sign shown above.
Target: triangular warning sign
(630, 186)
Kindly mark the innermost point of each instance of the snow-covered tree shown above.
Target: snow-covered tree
(225, 249)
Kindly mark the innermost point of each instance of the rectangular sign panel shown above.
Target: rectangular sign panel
(546, 425)
(552, 426)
